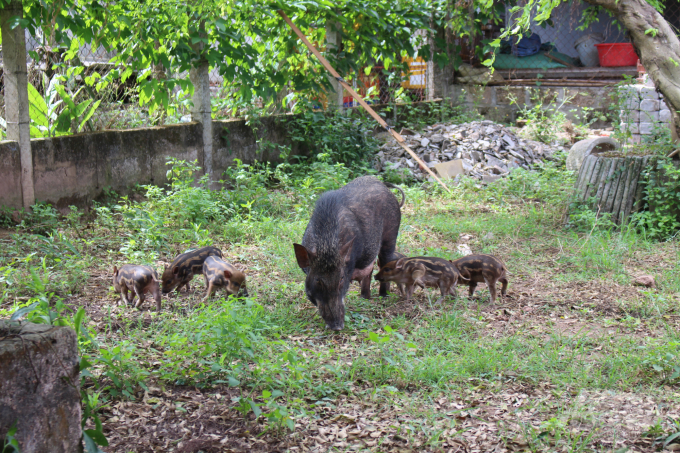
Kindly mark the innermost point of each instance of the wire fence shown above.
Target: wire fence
(562, 47)
(62, 102)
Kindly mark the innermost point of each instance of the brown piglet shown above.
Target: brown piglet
(422, 271)
(139, 280)
(184, 267)
(396, 256)
(483, 269)
(220, 274)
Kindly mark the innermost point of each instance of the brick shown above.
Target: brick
(648, 128)
(633, 128)
(636, 138)
(649, 117)
(649, 105)
(647, 93)
(631, 103)
(665, 116)
(629, 116)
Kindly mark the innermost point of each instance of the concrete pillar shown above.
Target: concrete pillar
(333, 42)
(202, 110)
(429, 73)
(16, 94)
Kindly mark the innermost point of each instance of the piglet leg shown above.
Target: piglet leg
(211, 290)
(491, 283)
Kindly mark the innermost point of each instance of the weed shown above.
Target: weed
(660, 218)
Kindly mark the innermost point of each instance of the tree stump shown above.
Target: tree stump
(40, 387)
(614, 182)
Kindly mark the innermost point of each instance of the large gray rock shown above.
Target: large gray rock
(584, 148)
(40, 387)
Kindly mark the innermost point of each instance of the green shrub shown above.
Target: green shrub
(660, 217)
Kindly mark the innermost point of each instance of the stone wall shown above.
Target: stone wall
(495, 102)
(645, 111)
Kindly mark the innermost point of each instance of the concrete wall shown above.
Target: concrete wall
(494, 102)
(75, 169)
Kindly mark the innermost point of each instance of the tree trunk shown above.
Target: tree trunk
(659, 53)
(614, 182)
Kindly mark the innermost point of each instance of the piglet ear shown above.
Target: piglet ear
(346, 250)
(400, 263)
(175, 270)
(227, 273)
(303, 255)
(115, 271)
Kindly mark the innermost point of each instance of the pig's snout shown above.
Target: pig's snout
(336, 327)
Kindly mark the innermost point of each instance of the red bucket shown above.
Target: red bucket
(616, 54)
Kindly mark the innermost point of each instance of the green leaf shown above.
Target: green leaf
(66, 97)
(671, 438)
(64, 121)
(89, 114)
(78, 320)
(17, 315)
(255, 408)
(37, 108)
(97, 436)
(90, 445)
(80, 108)
(373, 336)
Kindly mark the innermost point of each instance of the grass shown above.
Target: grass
(537, 372)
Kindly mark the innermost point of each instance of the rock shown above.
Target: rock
(486, 149)
(464, 249)
(645, 280)
(40, 386)
(488, 236)
(490, 178)
(584, 148)
(495, 162)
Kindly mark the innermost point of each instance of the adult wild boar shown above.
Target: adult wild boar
(349, 229)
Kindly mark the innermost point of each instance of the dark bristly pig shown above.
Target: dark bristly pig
(483, 269)
(185, 266)
(421, 271)
(349, 229)
(139, 280)
(220, 274)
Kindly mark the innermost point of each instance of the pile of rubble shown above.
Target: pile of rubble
(486, 150)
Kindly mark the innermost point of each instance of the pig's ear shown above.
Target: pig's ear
(175, 270)
(227, 273)
(346, 250)
(304, 256)
(400, 263)
(115, 271)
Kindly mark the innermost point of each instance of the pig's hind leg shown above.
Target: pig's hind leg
(491, 283)
(139, 292)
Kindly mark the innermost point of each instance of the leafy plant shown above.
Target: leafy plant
(11, 444)
(57, 113)
(544, 118)
(660, 217)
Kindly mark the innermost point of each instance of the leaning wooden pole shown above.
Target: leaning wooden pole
(359, 99)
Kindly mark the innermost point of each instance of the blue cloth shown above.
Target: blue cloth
(528, 45)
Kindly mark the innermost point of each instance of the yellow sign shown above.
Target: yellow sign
(416, 74)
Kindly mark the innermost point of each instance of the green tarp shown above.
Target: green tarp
(537, 61)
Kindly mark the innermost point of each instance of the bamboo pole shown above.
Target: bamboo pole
(358, 98)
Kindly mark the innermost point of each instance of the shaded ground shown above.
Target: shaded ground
(568, 348)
